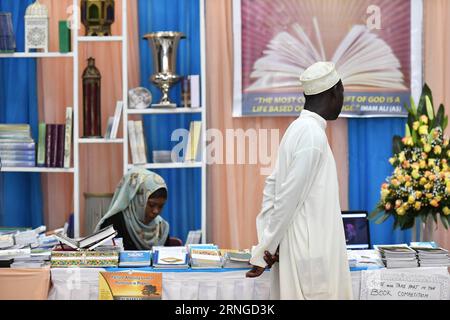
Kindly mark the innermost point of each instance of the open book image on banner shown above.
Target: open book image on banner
(371, 42)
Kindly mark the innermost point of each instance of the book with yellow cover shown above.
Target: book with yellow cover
(130, 286)
(193, 148)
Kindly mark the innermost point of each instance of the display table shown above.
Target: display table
(24, 284)
(217, 284)
(229, 284)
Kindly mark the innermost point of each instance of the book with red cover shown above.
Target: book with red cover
(60, 146)
(48, 144)
(54, 145)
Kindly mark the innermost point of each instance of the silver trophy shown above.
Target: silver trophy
(164, 47)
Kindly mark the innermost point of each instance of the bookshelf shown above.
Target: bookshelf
(179, 110)
(77, 141)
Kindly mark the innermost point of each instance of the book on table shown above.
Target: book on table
(432, 257)
(132, 258)
(397, 256)
(89, 242)
(205, 256)
(170, 257)
(236, 258)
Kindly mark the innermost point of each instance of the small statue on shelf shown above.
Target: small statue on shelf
(36, 27)
(92, 119)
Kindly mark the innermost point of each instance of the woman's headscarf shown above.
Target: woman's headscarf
(131, 198)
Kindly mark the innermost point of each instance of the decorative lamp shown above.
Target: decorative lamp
(7, 40)
(92, 120)
(36, 27)
(97, 16)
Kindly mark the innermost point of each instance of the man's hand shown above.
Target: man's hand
(271, 259)
(255, 272)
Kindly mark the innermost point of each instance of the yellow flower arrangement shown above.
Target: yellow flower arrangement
(420, 183)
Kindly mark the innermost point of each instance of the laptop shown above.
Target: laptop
(356, 228)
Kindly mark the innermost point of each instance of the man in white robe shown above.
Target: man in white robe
(300, 224)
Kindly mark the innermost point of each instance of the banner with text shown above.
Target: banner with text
(375, 45)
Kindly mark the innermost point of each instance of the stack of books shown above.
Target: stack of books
(364, 258)
(38, 258)
(205, 256)
(236, 258)
(397, 256)
(170, 258)
(135, 258)
(6, 241)
(432, 257)
(8, 255)
(17, 148)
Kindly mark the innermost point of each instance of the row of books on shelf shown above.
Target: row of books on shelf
(18, 149)
(192, 149)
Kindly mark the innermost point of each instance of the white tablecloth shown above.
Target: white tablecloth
(82, 284)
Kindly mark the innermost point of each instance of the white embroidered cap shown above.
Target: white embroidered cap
(319, 77)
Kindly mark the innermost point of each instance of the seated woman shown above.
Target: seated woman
(135, 208)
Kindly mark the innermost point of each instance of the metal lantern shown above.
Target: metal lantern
(97, 16)
(36, 27)
(92, 120)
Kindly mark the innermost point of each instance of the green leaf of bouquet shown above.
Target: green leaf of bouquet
(413, 106)
(375, 212)
(430, 110)
(423, 216)
(395, 222)
(421, 109)
(444, 220)
(414, 136)
(439, 121)
(444, 125)
(383, 218)
(405, 105)
(434, 216)
(407, 130)
(411, 120)
(409, 222)
(397, 144)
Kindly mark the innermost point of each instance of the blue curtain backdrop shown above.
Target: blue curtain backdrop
(183, 208)
(20, 193)
(370, 147)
